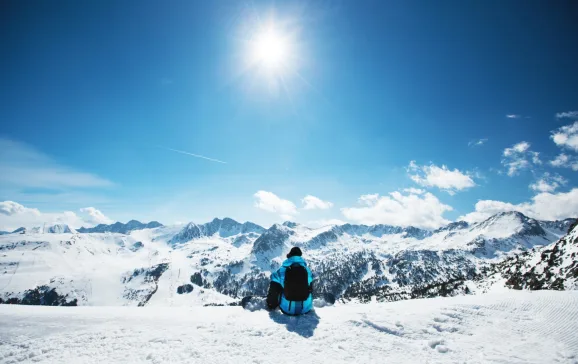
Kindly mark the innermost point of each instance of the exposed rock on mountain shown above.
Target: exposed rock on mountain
(142, 283)
(554, 266)
(42, 296)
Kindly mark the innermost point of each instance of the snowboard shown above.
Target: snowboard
(254, 303)
(327, 299)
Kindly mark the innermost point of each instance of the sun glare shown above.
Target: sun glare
(270, 49)
(271, 54)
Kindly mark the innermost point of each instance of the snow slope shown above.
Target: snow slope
(502, 327)
(94, 269)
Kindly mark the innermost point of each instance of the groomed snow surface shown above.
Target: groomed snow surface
(498, 327)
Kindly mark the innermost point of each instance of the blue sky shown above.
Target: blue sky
(96, 94)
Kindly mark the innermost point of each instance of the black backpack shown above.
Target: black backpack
(296, 287)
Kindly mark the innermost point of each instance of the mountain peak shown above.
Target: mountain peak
(512, 221)
(457, 225)
(506, 215)
(272, 242)
(512, 213)
(58, 229)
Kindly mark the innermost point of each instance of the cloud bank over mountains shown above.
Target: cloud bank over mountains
(14, 215)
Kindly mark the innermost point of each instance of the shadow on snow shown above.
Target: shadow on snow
(303, 325)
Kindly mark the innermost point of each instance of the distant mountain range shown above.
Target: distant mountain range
(45, 229)
(119, 227)
(223, 260)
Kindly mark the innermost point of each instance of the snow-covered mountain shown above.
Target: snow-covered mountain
(46, 229)
(225, 228)
(119, 227)
(58, 229)
(554, 266)
(223, 260)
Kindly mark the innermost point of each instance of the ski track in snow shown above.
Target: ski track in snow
(499, 327)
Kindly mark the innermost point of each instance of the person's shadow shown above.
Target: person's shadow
(303, 325)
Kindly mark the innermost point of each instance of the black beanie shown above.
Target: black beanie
(295, 251)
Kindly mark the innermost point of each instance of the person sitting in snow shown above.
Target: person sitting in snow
(291, 286)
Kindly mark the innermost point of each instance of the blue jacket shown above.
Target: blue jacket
(292, 307)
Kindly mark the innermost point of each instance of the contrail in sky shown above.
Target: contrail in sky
(196, 155)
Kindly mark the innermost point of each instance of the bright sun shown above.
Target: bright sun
(271, 54)
(271, 50)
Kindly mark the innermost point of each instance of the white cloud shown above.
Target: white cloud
(325, 222)
(269, 201)
(96, 216)
(516, 165)
(519, 157)
(543, 206)
(477, 142)
(369, 199)
(566, 136)
(566, 161)
(286, 217)
(423, 211)
(567, 115)
(11, 208)
(441, 177)
(548, 183)
(14, 215)
(23, 166)
(513, 116)
(487, 208)
(517, 148)
(415, 191)
(312, 203)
